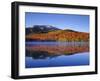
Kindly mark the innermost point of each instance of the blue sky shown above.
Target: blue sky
(62, 21)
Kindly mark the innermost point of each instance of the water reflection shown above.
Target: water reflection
(45, 50)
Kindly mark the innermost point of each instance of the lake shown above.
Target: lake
(56, 54)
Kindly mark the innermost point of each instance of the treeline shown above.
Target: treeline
(59, 35)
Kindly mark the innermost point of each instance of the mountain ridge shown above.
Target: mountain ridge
(41, 29)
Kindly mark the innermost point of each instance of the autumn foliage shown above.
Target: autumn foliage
(59, 35)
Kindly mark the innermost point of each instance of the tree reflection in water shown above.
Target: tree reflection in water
(44, 51)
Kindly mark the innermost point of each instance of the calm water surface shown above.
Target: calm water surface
(54, 54)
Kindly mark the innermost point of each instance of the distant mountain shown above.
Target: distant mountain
(69, 30)
(41, 29)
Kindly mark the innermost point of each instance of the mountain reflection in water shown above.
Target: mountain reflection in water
(38, 50)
